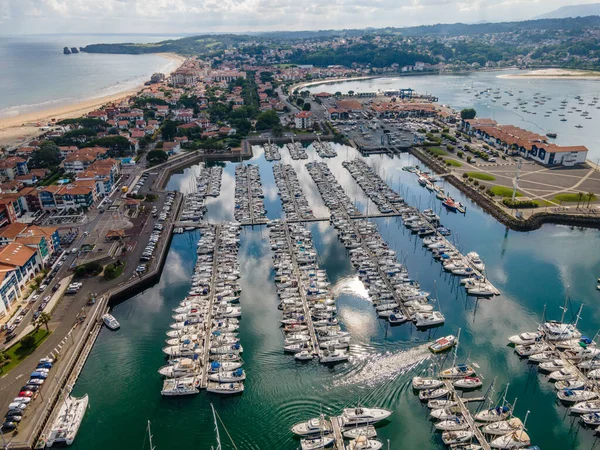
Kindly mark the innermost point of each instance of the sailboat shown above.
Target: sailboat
(457, 371)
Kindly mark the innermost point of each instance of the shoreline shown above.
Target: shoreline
(554, 74)
(16, 130)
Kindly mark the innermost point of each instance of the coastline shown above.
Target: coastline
(554, 74)
(330, 81)
(16, 130)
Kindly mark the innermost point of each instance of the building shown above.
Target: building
(12, 166)
(78, 195)
(303, 120)
(19, 264)
(516, 141)
(104, 173)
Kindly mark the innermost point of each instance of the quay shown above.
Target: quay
(208, 322)
(336, 426)
(467, 415)
(302, 292)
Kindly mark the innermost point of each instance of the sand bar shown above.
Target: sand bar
(16, 130)
(555, 74)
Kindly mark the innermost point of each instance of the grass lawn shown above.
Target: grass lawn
(452, 162)
(17, 354)
(481, 176)
(437, 151)
(503, 191)
(573, 197)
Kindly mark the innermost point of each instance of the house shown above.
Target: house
(303, 120)
(171, 147)
(104, 174)
(338, 114)
(44, 240)
(78, 195)
(12, 166)
(19, 264)
(30, 200)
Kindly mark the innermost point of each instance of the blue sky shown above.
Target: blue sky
(197, 16)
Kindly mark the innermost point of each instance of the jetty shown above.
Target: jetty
(208, 322)
(336, 427)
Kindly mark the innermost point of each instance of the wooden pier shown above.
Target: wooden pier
(467, 415)
(208, 321)
(305, 308)
(336, 427)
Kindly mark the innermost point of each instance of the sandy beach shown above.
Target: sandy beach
(550, 74)
(16, 130)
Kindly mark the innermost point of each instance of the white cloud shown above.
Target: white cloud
(187, 16)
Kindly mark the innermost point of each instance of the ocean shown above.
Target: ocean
(459, 91)
(532, 270)
(36, 75)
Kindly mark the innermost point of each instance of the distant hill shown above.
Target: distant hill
(591, 9)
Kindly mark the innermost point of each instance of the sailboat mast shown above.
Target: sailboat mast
(216, 427)
(578, 315)
(456, 348)
(564, 307)
(150, 437)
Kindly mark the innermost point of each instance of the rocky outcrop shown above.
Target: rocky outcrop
(66, 51)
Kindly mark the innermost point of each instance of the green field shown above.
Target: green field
(437, 151)
(481, 176)
(17, 354)
(503, 191)
(453, 162)
(573, 197)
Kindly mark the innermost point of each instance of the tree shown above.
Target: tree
(306, 107)
(277, 130)
(157, 157)
(299, 101)
(590, 197)
(44, 319)
(28, 342)
(468, 113)
(579, 198)
(267, 120)
(48, 155)
(168, 131)
(338, 94)
(351, 93)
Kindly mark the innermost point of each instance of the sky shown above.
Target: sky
(199, 16)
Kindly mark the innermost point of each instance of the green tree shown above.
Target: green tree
(267, 120)
(299, 101)
(48, 155)
(168, 130)
(468, 113)
(157, 156)
(28, 342)
(277, 130)
(44, 319)
(338, 94)
(306, 107)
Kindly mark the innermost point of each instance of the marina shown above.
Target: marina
(263, 350)
(249, 205)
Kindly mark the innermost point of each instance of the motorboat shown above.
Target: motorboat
(543, 357)
(443, 344)
(429, 319)
(304, 355)
(475, 261)
(110, 322)
(333, 356)
(228, 377)
(514, 440)
(314, 443)
(526, 338)
(570, 384)
(186, 366)
(447, 413)
(441, 403)
(551, 366)
(360, 415)
(528, 350)
(313, 426)
(563, 374)
(591, 419)
(503, 427)
(216, 366)
(66, 423)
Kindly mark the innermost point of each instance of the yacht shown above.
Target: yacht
(313, 426)
(586, 407)
(110, 322)
(186, 366)
(368, 431)
(333, 356)
(526, 338)
(493, 415)
(67, 421)
(360, 415)
(429, 319)
(180, 386)
(456, 424)
(569, 396)
(228, 377)
(459, 371)
(476, 261)
(456, 437)
(468, 383)
(421, 383)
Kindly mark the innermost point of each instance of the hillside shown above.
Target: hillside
(591, 9)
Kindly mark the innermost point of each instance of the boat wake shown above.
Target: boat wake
(350, 285)
(385, 367)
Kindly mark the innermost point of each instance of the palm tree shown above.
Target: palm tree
(580, 197)
(590, 197)
(44, 318)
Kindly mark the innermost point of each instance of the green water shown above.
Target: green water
(530, 269)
